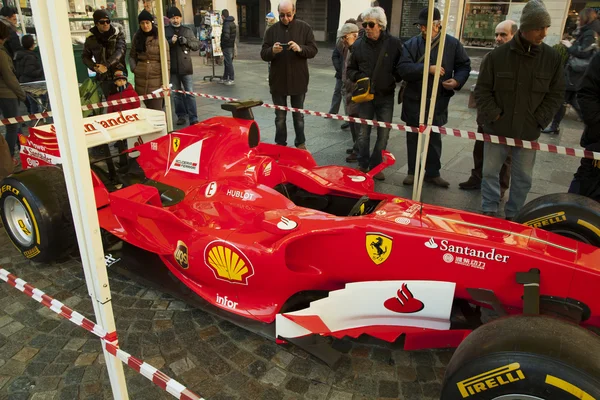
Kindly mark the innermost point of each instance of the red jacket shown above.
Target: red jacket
(126, 93)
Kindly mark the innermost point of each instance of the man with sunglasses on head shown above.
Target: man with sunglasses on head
(288, 45)
(375, 56)
(104, 51)
(454, 73)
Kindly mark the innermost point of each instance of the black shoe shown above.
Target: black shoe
(490, 214)
(350, 150)
(180, 121)
(552, 130)
(509, 218)
(352, 158)
(438, 181)
(471, 184)
(345, 125)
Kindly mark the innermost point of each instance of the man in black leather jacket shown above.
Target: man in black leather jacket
(228, 46)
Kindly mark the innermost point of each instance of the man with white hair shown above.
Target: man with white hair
(375, 56)
(287, 46)
(454, 73)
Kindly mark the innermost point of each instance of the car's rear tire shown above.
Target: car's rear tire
(525, 357)
(36, 214)
(566, 214)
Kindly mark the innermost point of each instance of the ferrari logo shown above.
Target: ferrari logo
(379, 246)
(176, 143)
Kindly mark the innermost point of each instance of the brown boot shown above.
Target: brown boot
(409, 180)
(471, 184)
(438, 181)
(379, 176)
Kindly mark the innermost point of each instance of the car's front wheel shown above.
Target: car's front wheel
(36, 213)
(525, 357)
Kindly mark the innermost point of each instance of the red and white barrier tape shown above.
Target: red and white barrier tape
(87, 107)
(108, 339)
(548, 148)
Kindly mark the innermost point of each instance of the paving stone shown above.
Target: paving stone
(282, 358)
(21, 384)
(14, 308)
(337, 395)
(11, 328)
(425, 374)
(194, 376)
(274, 376)
(300, 366)
(47, 326)
(46, 356)
(55, 369)
(35, 368)
(4, 378)
(257, 369)
(388, 389)
(181, 366)
(10, 349)
(75, 344)
(365, 386)
(272, 394)
(51, 395)
(46, 383)
(410, 391)
(235, 380)
(431, 390)
(68, 393)
(74, 375)
(317, 391)
(13, 368)
(18, 396)
(406, 374)
(25, 354)
(92, 373)
(57, 343)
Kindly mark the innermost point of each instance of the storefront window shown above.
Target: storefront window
(480, 23)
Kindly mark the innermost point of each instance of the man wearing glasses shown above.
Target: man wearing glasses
(454, 73)
(104, 51)
(288, 44)
(375, 56)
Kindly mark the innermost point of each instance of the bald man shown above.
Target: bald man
(288, 45)
(505, 31)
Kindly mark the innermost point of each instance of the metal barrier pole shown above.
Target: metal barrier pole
(52, 26)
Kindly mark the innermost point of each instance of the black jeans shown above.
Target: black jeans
(433, 164)
(382, 109)
(297, 101)
(10, 108)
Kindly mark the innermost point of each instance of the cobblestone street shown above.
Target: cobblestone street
(45, 357)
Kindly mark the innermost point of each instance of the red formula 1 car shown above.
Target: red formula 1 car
(264, 234)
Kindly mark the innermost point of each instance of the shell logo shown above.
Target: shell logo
(228, 263)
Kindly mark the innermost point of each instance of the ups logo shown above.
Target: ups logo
(181, 255)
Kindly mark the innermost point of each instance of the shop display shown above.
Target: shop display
(480, 23)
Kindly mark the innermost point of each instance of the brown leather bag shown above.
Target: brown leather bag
(6, 162)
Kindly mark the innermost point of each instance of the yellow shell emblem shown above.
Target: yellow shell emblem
(228, 263)
(379, 246)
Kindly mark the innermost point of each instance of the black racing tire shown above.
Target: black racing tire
(536, 356)
(36, 200)
(567, 214)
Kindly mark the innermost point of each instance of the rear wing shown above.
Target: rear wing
(137, 126)
(102, 129)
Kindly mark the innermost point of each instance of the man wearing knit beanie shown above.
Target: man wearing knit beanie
(519, 89)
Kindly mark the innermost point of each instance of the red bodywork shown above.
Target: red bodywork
(247, 248)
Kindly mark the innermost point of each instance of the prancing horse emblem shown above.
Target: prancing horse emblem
(379, 246)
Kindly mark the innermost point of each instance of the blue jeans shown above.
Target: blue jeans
(185, 104)
(521, 172)
(336, 100)
(296, 101)
(228, 61)
(381, 109)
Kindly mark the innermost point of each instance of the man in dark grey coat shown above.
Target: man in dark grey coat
(288, 45)
(520, 88)
(182, 42)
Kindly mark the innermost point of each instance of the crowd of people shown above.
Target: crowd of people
(522, 89)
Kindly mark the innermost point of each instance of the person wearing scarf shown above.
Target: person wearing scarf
(104, 50)
(144, 60)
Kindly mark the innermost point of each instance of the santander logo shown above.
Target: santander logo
(404, 303)
(431, 244)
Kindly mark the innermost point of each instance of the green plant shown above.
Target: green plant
(562, 50)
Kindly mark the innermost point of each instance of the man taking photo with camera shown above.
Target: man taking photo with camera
(182, 43)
